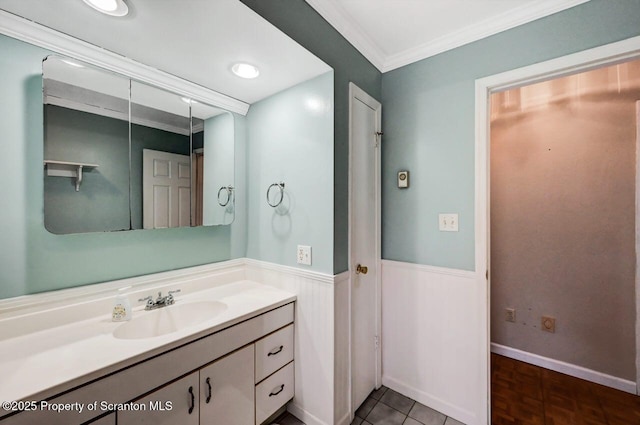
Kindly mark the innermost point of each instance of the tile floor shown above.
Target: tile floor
(387, 407)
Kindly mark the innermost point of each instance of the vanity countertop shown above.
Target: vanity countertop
(39, 364)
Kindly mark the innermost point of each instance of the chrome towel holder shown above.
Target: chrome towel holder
(229, 191)
(280, 186)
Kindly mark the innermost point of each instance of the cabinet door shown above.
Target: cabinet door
(174, 404)
(227, 390)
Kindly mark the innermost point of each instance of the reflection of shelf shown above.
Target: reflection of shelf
(67, 169)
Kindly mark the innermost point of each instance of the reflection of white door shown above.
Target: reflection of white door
(166, 189)
(364, 236)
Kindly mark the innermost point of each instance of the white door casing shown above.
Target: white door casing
(166, 189)
(365, 120)
(578, 62)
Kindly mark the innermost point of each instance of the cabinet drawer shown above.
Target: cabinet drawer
(273, 352)
(273, 393)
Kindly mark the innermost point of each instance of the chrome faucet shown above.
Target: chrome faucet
(160, 301)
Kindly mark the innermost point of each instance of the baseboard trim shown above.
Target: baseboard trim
(303, 415)
(345, 420)
(566, 368)
(457, 413)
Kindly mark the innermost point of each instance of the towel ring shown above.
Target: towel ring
(279, 186)
(229, 190)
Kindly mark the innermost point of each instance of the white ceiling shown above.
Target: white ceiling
(394, 33)
(197, 40)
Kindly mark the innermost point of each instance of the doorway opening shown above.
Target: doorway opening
(562, 247)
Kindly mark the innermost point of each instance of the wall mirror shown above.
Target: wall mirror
(86, 148)
(123, 155)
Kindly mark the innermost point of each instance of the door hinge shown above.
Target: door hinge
(379, 134)
(376, 341)
(486, 275)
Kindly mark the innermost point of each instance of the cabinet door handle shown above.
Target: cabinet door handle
(273, 353)
(208, 381)
(277, 392)
(193, 400)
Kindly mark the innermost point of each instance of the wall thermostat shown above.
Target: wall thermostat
(403, 179)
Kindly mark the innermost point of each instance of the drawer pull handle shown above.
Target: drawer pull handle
(273, 353)
(277, 392)
(193, 400)
(208, 381)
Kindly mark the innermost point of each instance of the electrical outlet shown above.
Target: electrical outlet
(304, 255)
(548, 324)
(448, 222)
(510, 314)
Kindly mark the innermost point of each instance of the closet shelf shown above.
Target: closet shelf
(67, 169)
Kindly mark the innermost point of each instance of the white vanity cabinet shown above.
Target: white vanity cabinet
(175, 403)
(226, 390)
(219, 393)
(209, 379)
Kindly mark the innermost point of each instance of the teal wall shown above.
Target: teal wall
(240, 224)
(303, 24)
(290, 139)
(34, 260)
(219, 168)
(429, 118)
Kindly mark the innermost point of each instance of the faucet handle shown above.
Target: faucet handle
(147, 298)
(170, 299)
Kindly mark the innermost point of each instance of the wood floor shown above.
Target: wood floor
(523, 394)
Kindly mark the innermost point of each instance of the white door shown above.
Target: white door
(166, 189)
(364, 236)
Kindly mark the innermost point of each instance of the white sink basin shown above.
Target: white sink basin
(169, 319)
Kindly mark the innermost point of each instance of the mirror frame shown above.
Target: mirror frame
(209, 213)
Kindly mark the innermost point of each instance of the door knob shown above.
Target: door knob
(361, 269)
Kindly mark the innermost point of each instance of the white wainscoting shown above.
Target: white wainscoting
(434, 338)
(314, 336)
(342, 373)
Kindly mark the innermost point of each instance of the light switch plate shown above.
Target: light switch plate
(448, 222)
(304, 255)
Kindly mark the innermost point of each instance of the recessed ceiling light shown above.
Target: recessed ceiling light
(244, 70)
(72, 63)
(109, 7)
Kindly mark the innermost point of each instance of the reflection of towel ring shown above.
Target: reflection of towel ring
(279, 186)
(229, 190)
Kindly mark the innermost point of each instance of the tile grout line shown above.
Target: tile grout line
(406, 416)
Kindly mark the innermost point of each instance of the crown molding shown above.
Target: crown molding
(331, 11)
(39, 35)
(338, 18)
(480, 30)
